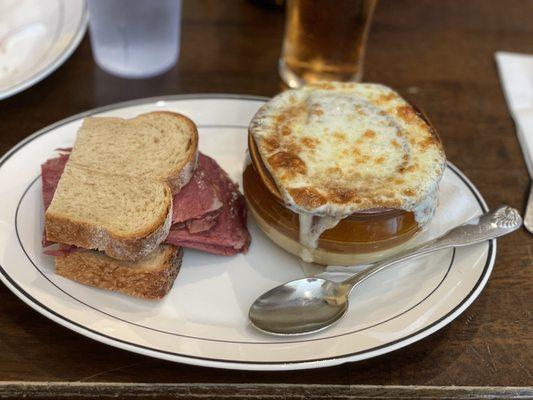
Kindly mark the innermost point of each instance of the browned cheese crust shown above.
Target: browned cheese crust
(340, 148)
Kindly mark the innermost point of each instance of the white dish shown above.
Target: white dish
(36, 37)
(203, 320)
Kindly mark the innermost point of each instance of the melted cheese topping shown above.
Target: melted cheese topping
(338, 148)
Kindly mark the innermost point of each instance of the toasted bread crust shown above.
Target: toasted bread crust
(87, 236)
(176, 183)
(93, 269)
(183, 173)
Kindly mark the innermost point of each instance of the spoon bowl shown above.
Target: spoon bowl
(299, 307)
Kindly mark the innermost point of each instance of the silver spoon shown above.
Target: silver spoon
(311, 304)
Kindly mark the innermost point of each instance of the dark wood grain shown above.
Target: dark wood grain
(439, 54)
(251, 392)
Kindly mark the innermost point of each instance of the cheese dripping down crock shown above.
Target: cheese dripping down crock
(335, 149)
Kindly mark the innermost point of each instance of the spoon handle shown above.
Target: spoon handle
(493, 224)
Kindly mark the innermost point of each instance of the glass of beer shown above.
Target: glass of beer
(325, 40)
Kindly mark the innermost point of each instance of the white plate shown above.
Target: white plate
(203, 320)
(36, 37)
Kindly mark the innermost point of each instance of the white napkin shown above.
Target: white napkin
(456, 206)
(516, 73)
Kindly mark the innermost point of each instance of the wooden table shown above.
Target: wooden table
(438, 54)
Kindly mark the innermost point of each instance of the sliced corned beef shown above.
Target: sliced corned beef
(204, 223)
(198, 203)
(59, 249)
(230, 235)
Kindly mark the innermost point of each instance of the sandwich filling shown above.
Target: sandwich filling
(334, 149)
(209, 213)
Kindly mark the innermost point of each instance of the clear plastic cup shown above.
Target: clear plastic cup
(135, 38)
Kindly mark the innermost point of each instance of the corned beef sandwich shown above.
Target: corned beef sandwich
(121, 204)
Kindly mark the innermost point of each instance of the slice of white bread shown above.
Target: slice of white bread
(125, 217)
(149, 278)
(159, 145)
(115, 194)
